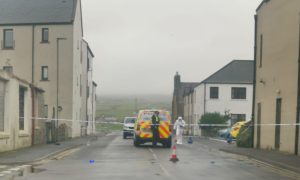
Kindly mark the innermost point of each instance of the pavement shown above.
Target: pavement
(39, 152)
(111, 157)
(274, 158)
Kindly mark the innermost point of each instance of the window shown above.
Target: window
(46, 111)
(88, 64)
(8, 39)
(21, 108)
(238, 93)
(2, 105)
(237, 118)
(44, 75)
(214, 93)
(261, 50)
(45, 35)
(8, 69)
(80, 87)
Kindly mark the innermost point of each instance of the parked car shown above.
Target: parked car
(143, 132)
(128, 127)
(236, 128)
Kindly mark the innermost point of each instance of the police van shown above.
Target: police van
(143, 132)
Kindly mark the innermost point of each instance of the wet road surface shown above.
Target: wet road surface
(112, 158)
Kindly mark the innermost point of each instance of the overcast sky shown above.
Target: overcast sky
(140, 44)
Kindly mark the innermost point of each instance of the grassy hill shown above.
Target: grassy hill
(122, 106)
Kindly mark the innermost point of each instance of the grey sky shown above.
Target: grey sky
(140, 44)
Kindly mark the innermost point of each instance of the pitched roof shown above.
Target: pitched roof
(236, 72)
(261, 4)
(14, 12)
(187, 88)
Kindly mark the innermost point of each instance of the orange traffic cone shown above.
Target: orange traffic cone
(174, 156)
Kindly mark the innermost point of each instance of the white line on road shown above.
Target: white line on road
(151, 150)
(220, 140)
(160, 165)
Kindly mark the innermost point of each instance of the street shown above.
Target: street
(111, 157)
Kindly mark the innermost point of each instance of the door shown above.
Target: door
(2, 105)
(258, 131)
(278, 123)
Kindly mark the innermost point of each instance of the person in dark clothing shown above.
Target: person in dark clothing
(229, 138)
(154, 127)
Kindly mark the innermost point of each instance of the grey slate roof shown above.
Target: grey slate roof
(187, 88)
(236, 72)
(36, 11)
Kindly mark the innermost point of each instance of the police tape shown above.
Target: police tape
(187, 124)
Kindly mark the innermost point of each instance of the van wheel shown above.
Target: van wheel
(168, 144)
(124, 136)
(136, 143)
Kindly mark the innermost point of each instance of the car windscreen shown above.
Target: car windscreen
(147, 116)
(129, 120)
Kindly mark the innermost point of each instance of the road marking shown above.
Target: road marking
(265, 166)
(278, 170)
(65, 154)
(151, 150)
(159, 164)
(220, 140)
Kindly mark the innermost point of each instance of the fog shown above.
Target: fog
(140, 44)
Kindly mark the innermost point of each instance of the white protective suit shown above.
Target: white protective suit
(179, 126)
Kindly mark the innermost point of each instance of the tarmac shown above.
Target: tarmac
(274, 158)
(37, 153)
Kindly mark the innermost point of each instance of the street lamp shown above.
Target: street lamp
(58, 108)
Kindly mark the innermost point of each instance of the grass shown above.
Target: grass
(108, 127)
(122, 106)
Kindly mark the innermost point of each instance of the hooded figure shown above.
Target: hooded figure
(179, 126)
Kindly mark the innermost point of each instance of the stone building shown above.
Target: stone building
(42, 42)
(277, 82)
(178, 96)
(19, 102)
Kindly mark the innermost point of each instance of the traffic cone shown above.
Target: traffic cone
(174, 156)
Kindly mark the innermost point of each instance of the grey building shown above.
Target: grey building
(42, 42)
(180, 89)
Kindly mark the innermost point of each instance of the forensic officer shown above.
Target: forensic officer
(178, 127)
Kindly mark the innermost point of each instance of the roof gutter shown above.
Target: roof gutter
(35, 23)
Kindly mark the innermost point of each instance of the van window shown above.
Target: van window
(147, 116)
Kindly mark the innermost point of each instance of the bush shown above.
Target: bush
(212, 118)
(244, 138)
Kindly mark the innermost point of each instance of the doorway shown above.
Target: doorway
(278, 123)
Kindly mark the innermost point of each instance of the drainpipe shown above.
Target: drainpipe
(32, 88)
(204, 108)
(298, 102)
(32, 114)
(57, 85)
(32, 55)
(254, 80)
